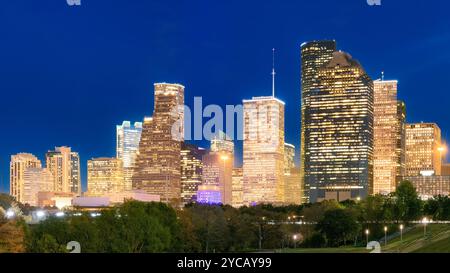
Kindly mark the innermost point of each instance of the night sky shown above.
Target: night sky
(68, 75)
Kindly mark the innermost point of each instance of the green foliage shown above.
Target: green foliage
(438, 208)
(338, 226)
(407, 205)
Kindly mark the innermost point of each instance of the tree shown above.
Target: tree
(438, 207)
(407, 205)
(12, 237)
(338, 226)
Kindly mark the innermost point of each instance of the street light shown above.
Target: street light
(385, 235)
(401, 233)
(40, 214)
(10, 214)
(367, 236)
(295, 240)
(425, 222)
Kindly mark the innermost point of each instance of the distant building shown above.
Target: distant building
(64, 164)
(19, 163)
(263, 160)
(445, 170)
(237, 190)
(157, 168)
(209, 194)
(59, 200)
(337, 136)
(105, 176)
(127, 145)
(191, 171)
(428, 185)
(35, 181)
(423, 141)
(113, 199)
(289, 157)
(217, 171)
(293, 187)
(222, 143)
(389, 137)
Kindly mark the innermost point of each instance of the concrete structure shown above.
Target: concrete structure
(59, 200)
(428, 186)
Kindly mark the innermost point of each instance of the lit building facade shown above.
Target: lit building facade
(209, 194)
(127, 145)
(222, 143)
(314, 55)
(389, 137)
(17, 166)
(158, 166)
(263, 168)
(237, 188)
(105, 176)
(423, 141)
(445, 169)
(36, 180)
(289, 157)
(191, 171)
(338, 132)
(428, 186)
(65, 167)
(217, 171)
(293, 187)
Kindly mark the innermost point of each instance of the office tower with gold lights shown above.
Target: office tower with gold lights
(389, 137)
(64, 164)
(105, 176)
(157, 168)
(263, 168)
(423, 143)
(338, 131)
(314, 55)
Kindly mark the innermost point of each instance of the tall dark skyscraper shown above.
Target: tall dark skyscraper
(314, 55)
(157, 167)
(338, 130)
(191, 171)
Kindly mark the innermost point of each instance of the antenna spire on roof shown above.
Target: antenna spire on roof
(382, 75)
(273, 72)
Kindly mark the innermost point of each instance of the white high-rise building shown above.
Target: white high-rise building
(127, 145)
(36, 180)
(19, 163)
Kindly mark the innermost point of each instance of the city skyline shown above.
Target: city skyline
(98, 144)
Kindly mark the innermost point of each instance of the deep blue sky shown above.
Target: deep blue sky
(68, 75)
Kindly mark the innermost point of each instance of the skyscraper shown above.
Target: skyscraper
(157, 167)
(217, 171)
(314, 55)
(389, 137)
(191, 171)
(338, 131)
(105, 176)
(222, 143)
(423, 141)
(127, 146)
(293, 187)
(19, 163)
(65, 167)
(263, 169)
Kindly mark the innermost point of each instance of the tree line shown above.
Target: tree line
(137, 227)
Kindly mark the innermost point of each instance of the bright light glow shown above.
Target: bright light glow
(224, 157)
(59, 214)
(401, 227)
(385, 228)
(358, 198)
(10, 214)
(40, 213)
(442, 149)
(425, 220)
(95, 214)
(367, 232)
(295, 237)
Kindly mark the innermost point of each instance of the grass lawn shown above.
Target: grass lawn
(437, 240)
